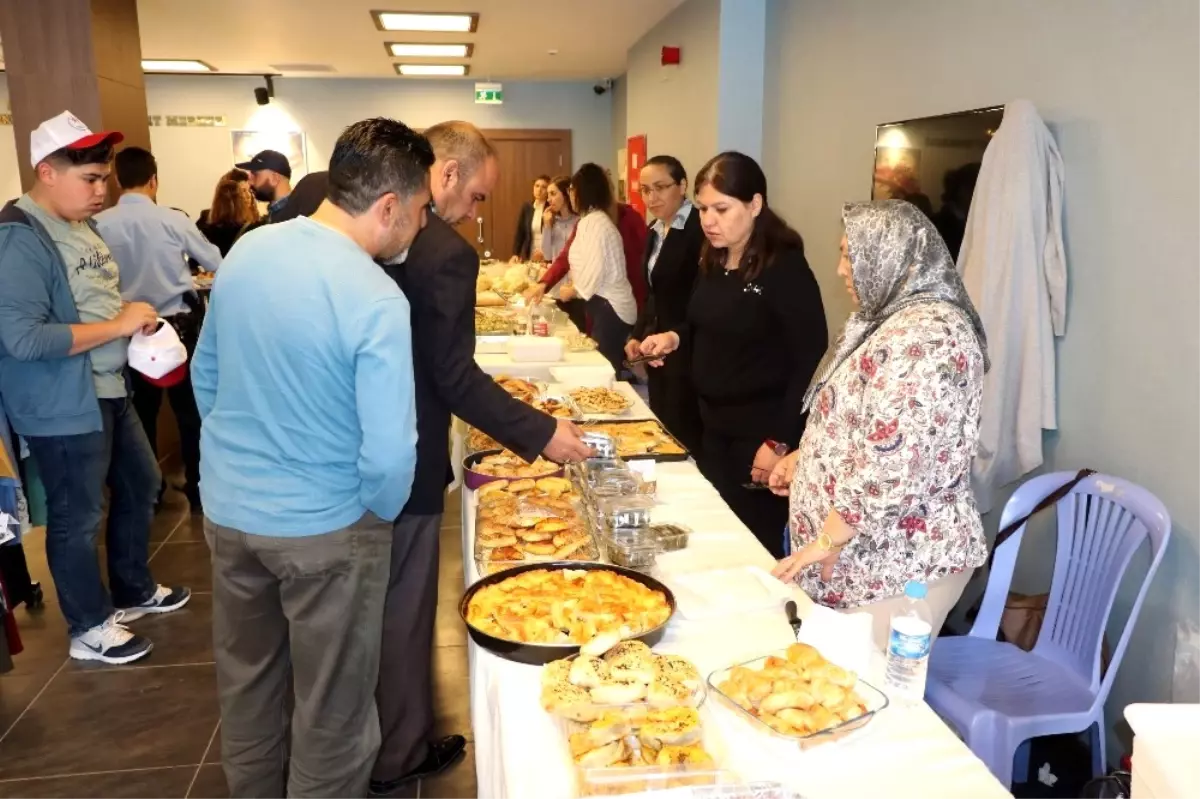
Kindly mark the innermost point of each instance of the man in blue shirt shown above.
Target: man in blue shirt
(304, 380)
(152, 245)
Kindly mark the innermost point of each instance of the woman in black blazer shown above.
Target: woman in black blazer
(527, 243)
(670, 263)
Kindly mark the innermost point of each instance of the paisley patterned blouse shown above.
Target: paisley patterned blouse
(889, 444)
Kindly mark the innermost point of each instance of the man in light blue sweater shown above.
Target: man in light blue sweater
(304, 381)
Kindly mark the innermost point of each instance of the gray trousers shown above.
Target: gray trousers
(296, 634)
(405, 694)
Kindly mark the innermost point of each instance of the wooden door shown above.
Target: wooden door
(523, 155)
(472, 229)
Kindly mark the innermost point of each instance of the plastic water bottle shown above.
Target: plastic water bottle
(908, 646)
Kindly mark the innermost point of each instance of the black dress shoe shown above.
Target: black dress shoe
(442, 755)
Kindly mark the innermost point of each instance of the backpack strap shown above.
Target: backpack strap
(1051, 499)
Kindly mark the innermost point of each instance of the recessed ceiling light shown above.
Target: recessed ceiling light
(175, 65)
(403, 21)
(432, 70)
(405, 50)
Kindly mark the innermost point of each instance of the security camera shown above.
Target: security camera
(601, 88)
(263, 95)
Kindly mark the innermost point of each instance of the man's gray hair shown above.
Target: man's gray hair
(462, 142)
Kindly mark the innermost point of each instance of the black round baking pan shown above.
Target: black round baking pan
(540, 654)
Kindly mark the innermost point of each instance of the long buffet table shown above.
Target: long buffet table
(521, 753)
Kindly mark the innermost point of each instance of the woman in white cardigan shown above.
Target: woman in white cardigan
(597, 261)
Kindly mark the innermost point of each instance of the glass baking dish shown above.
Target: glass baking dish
(874, 699)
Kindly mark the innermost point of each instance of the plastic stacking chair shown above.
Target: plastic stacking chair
(998, 696)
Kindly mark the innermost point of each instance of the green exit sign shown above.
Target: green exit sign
(489, 93)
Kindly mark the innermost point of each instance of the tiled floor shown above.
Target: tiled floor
(150, 729)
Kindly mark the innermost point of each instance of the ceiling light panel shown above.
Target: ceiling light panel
(432, 70)
(175, 65)
(445, 23)
(415, 50)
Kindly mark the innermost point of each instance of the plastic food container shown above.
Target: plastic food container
(626, 511)
(613, 484)
(523, 349)
(671, 537)
(618, 780)
(630, 552)
(567, 404)
(874, 699)
(583, 376)
(604, 445)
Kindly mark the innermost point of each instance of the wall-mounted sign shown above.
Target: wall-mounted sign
(489, 93)
(246, 143)
(187, 121)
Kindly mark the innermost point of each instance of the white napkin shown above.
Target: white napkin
(842, 638)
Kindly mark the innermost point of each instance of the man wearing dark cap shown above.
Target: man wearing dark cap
(270, 179)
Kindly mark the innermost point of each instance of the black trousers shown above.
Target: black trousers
(404, 695)
(147, 399)
(673, 400)
(733, 433)
(576, 310)
(609, 331)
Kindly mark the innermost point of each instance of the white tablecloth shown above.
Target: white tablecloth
(907, 751)
(497, 363)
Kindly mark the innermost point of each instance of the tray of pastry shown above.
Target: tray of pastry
(560, 406)
(630, 717)
(478, 441)
(488, 465)
(641, 439)
(798, 695)
(536, 613)
(599, 400)
(525, 390)
(523, 521)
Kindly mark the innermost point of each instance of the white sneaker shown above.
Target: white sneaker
(164, 600)
(110, 642)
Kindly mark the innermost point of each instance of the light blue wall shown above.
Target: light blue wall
(1118, 85)
(742, 44)
(676, 106)
(191, 159)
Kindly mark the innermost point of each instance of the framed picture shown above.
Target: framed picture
(247, 143)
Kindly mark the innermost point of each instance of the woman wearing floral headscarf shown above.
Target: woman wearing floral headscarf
(880, 486)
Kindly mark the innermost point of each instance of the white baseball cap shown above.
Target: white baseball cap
(66, 131)
(160, 357)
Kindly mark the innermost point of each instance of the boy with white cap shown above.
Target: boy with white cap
(63, 338)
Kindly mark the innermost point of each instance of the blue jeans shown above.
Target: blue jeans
(74, 471)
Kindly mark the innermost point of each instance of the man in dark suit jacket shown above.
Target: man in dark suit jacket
(438, 277)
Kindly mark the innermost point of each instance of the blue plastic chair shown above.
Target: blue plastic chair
(998, 696)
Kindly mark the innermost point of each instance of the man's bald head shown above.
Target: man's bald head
(464, 172)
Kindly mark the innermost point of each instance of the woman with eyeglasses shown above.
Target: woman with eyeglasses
(670, 263)
(756, 329)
